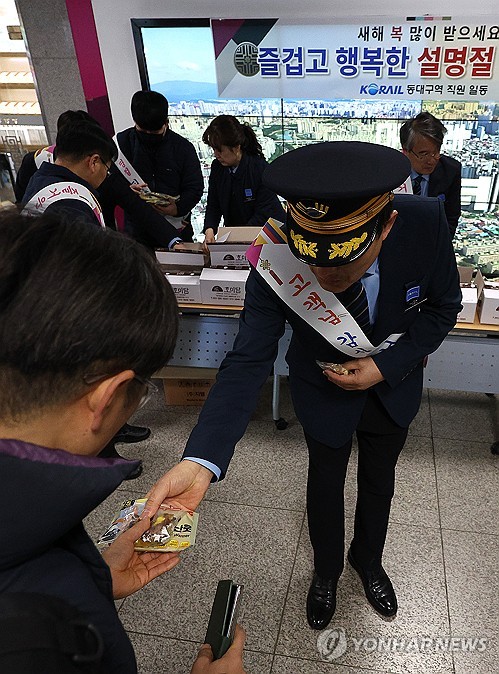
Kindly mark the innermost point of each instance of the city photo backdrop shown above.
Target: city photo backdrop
(177, 58)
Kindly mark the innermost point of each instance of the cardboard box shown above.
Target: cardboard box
(192, 257)
(186, 385)
(470, 295)
(229, 250)
(223, 286)
(488, 303)
(186, 286)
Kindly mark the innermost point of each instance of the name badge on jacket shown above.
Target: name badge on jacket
(248, 194)
(413, 295)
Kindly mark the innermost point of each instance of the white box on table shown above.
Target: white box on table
(223, 286)
(229, 249)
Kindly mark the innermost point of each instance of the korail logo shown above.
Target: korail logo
(383, 89)
(331, 644)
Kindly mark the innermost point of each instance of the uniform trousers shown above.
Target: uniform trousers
(380, 442)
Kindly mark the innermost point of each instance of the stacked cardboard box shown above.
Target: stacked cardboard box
(187, 385)
(488, 302)
(183, 268)
(224, 282)
(469, 291)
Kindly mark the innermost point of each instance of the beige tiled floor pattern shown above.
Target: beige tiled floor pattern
(441, 553)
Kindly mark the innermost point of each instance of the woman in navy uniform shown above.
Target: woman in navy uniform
(235, 189)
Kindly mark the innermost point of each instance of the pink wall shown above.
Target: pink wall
(81, 19)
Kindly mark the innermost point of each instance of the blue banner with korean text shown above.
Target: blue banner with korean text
(433, 58)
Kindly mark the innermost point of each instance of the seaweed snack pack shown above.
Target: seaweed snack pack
(334, 367)
(172, 529)
(157, 198)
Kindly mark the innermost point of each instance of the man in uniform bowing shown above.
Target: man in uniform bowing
(368, 283)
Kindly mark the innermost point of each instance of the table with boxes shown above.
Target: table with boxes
(210, 293)
(217, 278)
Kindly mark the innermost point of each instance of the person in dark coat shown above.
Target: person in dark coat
(77, 350)
(235, 189)
(433, 174)
(151, 228)
(85, 154)
(166, 161)
(33, 160)
(369, 285)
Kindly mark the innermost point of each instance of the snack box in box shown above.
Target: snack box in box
(470, 295)
(488, 304)
(192, 257)
(186, 286)
(229, 249)
(223, 286)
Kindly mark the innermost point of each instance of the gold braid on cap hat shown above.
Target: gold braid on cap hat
(302, 213)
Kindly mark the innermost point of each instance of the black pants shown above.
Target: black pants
(380, 442)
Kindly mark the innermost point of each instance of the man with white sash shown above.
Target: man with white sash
(84, 155)
(32, 161)
(369, 284)
(151, 153)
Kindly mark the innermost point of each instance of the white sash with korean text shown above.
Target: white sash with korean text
(63, 190)
(46, 154)
(127, 170)
(321, 309)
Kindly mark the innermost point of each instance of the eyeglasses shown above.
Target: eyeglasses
(426, 155)
(108, 168)
(150, 388)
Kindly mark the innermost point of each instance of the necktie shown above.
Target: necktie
(354, 299)
(416, 184)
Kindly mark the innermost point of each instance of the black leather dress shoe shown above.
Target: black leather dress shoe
(128, 433)
(135, 473)
(109, 452)
(378, 588)
(321, 602)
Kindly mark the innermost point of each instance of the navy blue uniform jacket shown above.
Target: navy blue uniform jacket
(45, 547)
(446, 180)
(152, 229)
(171, 168)
(417, 252)
(48, 174)
(256, 202)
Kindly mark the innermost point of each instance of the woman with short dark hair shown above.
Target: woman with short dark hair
(235, 190)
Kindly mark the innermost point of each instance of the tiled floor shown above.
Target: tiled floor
(441, 552)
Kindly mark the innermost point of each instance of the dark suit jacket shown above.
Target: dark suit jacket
(418, 251)
(47, 175)
(445, 183)
(256, 202)
(150, 227)
(152, 230)
(26, 170)
(171, 168)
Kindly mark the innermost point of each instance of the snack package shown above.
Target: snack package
(172, 529)
(335, 367)
(157, 198)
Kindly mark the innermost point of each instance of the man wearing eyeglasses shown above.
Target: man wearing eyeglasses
(84, 156)
(77, 348)
(433, 174)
